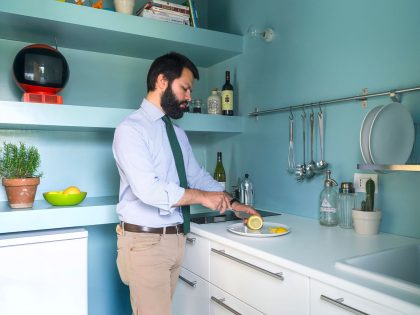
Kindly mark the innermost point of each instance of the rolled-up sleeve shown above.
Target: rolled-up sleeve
(135, 162)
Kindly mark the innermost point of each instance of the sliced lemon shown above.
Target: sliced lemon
(254, 222)
(71, 190)
(277, 230)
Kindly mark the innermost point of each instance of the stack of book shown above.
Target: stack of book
(166, 11)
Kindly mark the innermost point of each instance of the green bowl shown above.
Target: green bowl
(59, 199)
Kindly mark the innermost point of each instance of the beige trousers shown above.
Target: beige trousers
(150, 265)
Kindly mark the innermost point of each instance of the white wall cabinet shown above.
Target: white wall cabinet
(329, 300)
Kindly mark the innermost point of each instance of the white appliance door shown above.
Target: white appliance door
(44, 273)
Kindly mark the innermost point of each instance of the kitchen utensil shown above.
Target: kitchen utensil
(364, 133)
(321, 165)
(60, 199)
(301, 169)
(391, 135)
(291, 155)
(242, 229)
(310, 167)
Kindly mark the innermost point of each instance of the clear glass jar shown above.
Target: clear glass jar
(346, 202)
(196, 106)
(214, 103)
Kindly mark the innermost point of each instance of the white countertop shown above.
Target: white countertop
(313, 250)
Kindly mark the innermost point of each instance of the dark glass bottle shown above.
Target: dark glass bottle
(219, 171)
(227, 96)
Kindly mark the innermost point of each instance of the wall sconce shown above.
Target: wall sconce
(267, 34)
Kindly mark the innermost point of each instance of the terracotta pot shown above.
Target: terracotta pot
(21, 191)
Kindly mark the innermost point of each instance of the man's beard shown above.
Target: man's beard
(171, 105)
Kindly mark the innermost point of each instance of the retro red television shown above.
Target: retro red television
(41, 71)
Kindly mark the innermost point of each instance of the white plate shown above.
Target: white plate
(391, 135)
(364, 133)
(242, 229)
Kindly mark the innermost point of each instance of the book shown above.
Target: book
(193, 13)
(161, 17)
(152, 7)
(170, 5)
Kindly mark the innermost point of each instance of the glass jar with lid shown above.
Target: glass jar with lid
(214, 103)
(346, 202)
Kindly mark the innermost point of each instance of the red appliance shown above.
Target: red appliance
(41, 71)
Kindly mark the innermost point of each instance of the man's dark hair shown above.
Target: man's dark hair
(170, 65)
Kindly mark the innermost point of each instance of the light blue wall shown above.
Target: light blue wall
(324, 49)
(85, 159)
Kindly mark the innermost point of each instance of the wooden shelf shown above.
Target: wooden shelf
(389, 168)
(36, 116)
(85, 28)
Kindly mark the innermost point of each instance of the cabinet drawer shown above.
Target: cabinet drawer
(328, 300)
(267, 287)
(197, 255)
(222, 303)
(191, 295)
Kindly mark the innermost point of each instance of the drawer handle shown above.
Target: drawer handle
(190, 283)
(191, 240)
(278, 276)
(339, 303)
(222, 303)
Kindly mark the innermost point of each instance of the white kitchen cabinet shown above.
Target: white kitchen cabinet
(222, 303)
(269, 288)
(197, 255)
(191, 295)
(329, 300)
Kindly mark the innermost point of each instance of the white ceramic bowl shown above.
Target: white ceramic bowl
(364, 133)
(391, 135)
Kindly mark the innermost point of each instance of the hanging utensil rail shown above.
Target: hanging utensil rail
(393, 94)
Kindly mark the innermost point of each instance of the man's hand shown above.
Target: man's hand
(243, 211)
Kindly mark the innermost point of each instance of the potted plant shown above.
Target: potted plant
(367, 219)
(18, 168)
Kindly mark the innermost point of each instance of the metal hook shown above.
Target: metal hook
(394, 96)
(319, 106)
(303, 112)
(312, 109)
(291, 113)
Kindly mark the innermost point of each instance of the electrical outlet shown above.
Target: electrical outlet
(361, 179)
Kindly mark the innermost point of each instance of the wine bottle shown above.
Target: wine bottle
(219, 171)
(227, 96)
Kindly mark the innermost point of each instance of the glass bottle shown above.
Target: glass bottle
(214, 103)
(246, 191)
(227, 96)
(196, 106)
(219, 171)
(346, 202)
(328, 202)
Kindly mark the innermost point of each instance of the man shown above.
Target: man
(152, 204)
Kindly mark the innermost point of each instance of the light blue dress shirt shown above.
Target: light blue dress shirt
(149, 182)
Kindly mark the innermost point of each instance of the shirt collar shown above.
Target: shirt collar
(151, 110)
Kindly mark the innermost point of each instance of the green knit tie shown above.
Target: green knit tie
(179, 162)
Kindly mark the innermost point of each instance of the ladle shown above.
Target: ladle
(301, 169)
(321, 165)
(310, 167)
(291, 155)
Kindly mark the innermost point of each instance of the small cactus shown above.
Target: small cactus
(368, 204)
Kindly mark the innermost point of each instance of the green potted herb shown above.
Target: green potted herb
(366, 220)
(19, 171)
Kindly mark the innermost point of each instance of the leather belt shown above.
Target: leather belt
(173, 229)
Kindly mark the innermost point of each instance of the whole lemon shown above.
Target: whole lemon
(71, 190)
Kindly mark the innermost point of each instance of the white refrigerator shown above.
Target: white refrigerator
(44, 272)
